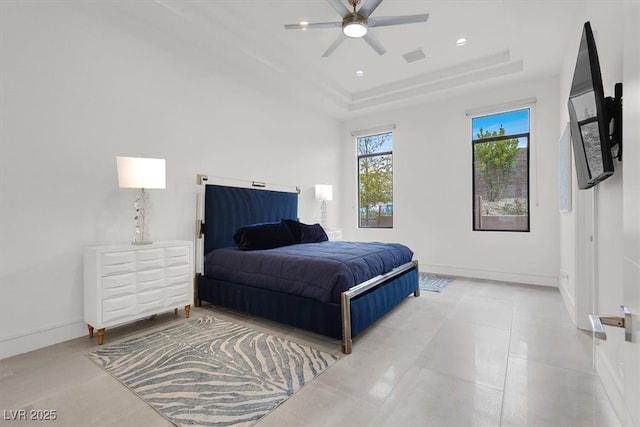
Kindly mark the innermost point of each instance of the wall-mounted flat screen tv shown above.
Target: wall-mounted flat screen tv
(596, 121)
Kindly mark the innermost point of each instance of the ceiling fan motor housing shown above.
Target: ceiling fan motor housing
(354, 26)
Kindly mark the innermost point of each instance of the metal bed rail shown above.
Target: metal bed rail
(347, 296)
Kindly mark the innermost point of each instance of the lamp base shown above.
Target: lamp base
(140, 220)
(323, 215)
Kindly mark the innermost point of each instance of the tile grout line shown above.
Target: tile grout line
(506, 369)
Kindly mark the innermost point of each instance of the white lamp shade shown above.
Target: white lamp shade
(141, 172)
(324, 192)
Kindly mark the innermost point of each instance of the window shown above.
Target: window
(375, 180)
(501, 171)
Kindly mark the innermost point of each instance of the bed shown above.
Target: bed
(343, 310)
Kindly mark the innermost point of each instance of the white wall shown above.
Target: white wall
(612, 23)
(77, 92)
(631, 207)
(606, 22)
(433, 188)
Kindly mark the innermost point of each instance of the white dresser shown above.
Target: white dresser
(125, 283)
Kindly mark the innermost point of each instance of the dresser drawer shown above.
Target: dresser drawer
(118, 308)
(149, 258)
(150, 301)
(177, 255)
(150, 296)
(179, 271)
(150, 279)
(119, 291)
(120, 285)
(118, 263)
(118, 281)
(179, 289)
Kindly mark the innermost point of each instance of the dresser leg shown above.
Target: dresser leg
(100, 336)
(90, 331)
(187, 309)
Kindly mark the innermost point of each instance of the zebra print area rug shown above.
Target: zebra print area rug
(210, 372)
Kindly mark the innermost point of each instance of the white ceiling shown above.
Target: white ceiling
(507, 39)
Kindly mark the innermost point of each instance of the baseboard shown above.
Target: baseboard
(39, 338)
(500, 276)
(567, 298)
(613, 386)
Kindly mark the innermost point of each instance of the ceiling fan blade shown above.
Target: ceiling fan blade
(334, 45)
(374, 43)
(384, 21)
(340, 7)
(368, 7)
(313, 26)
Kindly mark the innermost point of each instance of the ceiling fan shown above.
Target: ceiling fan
(356, 24)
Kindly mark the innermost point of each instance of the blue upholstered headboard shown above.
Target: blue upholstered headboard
(228, 208)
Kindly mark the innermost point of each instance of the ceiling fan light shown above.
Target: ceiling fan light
(354, 29)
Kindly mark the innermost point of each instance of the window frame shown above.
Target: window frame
(520, 135)
(357, 137)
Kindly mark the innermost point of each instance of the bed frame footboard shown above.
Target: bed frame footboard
(360, 306)
(356, 303)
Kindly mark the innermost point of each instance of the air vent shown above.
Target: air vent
(413, 56)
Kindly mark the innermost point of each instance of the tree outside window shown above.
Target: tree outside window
(375, 180)
(501, 171)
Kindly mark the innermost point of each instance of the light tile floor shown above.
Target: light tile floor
(479, 353)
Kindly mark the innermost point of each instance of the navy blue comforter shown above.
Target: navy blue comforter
(316, 270)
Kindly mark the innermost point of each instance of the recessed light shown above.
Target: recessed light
(359, 73)
(461, 41)
(304, 25)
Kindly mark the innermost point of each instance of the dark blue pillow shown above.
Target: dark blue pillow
(313, 233)
(265, 235)
(306, 233)
(294, 228)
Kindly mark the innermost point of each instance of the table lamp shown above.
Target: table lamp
(324, 192)
(144, 174)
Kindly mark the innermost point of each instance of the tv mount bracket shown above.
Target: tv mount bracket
(614, 107)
